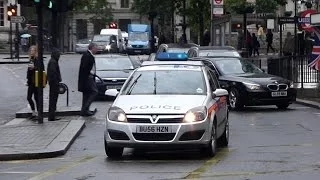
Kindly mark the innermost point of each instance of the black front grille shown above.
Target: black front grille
(137, 46)
(153, 136)
(138, 120)
(273, 87)
(116, 82)
(283, 87)
(170, 120)
(192, 135)
(118, 135)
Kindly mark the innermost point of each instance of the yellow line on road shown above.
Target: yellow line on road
(61, 169)
(211, 162)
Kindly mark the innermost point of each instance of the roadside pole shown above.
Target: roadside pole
(40, 61)
(10, 41)
(17, 48)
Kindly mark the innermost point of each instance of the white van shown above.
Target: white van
(118, 34)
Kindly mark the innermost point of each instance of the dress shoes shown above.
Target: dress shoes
(55, 119)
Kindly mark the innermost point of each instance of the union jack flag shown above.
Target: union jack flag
(314, 59)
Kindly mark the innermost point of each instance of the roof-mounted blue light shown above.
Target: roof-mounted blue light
(172, 56)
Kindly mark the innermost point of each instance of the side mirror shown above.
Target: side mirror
(112, 92)
(220, 93)
(263, 70)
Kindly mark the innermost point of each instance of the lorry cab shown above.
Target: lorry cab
(139, 36)
(116, 32)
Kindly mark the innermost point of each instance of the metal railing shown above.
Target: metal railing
(294, 68)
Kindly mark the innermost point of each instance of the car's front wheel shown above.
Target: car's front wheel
(113, 152)
(211, 149)
(223, 141)
(283, 105)
(234, 99)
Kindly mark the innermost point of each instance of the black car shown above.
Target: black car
(112, 71)
(213, 51)
(250, 86)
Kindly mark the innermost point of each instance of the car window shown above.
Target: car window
(215, 78)
(138, 36)
(113, 63)
(180, 82)
(101, 38)
(212, 83)
(236, 66)
(211, 66)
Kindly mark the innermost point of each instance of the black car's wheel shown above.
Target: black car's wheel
(211, 149)
(112, 152)
(223, 141)
(283, 105)
(234, 99)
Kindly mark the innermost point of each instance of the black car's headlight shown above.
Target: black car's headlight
(252, 86)
(196, 114)
(291, 84)
(98, 80)
(117, 114)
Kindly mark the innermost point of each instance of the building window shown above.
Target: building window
(124, 3)
(1, 13)
(81, 28)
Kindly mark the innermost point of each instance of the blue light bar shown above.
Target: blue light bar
(172, 56)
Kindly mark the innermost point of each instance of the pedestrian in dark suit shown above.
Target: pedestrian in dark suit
(86, 82)
(54, 78)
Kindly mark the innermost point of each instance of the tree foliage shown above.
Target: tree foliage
(239, 6)
(261, 6)
(100, 10)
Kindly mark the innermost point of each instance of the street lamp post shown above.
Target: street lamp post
(295, 28)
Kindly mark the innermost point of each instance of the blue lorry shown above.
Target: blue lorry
(139, 36)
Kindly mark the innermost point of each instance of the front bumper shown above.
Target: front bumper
(132, 50)
(183, 135)
(265, 98)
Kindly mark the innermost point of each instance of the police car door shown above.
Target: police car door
(213, 87)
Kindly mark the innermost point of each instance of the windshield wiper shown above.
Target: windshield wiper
(133, 84)
(155, 83)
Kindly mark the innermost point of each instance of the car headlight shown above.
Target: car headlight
(252, 86)
(291, 84)
(196, 114)
(117, 114)
(129, 45)
(108, 47)
(98, 80)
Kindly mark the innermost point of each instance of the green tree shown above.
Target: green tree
(100, 11)
(239, 6)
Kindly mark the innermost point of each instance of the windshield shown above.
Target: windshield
(136, 36)
(236, 66)
(180, 82)
(101, 38)
(113, 63)
(84, 41)
(177, 50)
(213, 53)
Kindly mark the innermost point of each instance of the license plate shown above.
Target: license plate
(154, 129)
(278, 94)
(114, 87)
(137, 51)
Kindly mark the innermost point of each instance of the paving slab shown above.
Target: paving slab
(309, 103)
(25, 139)
(61, 111)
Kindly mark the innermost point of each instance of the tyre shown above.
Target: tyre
(223, 141)
(211, 149)
(283, 105)
(113, 152)
(234, 99)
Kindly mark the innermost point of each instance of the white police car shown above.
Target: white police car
(168, 104)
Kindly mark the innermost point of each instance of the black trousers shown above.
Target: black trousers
(53, 99)
(32, 91)
(89, 95)
(269, 46)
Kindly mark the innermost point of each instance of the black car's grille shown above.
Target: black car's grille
(153, 136)
(277, 87)
(137, 46)
(114, 81)
(149, 120)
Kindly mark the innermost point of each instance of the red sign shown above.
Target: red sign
(305, 20)
(217, 2)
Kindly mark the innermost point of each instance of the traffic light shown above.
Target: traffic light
(113, 26)
(12, 10)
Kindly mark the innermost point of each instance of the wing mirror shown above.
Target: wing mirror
(220, 93)
(111, 92)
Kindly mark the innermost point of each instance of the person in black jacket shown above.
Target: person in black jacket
(86, 82)
(32, 89)
(54, 78)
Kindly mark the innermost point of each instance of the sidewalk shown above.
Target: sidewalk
(24, 139)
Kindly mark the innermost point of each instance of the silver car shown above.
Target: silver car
(168, 104)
